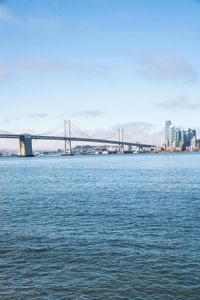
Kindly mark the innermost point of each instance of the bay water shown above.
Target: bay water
(100, 227)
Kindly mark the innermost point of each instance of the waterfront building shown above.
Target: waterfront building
(188, 135)
(172, 135)
(167, 125)
(178, 137)
(182, 147)
(194, 133)
(175, 138)
(193, 143)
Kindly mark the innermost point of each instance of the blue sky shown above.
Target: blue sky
(100, 63)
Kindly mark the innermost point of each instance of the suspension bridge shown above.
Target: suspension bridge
(69, 132)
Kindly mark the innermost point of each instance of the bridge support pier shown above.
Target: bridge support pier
(140, 149)
(25, 145)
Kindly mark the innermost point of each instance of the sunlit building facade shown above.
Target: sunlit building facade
(177, 138)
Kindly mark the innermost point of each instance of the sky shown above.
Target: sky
(103, 64)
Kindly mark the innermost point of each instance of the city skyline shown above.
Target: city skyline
(180, 139)
(173, 138)
(103, 64)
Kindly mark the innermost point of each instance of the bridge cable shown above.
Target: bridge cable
(129, 137)
(79, 131)
(5, 132)
(111, 136)
(60, 126)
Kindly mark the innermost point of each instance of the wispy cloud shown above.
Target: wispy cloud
(166, 66)
(181, 103)
(88, 70)
(31, 22)
(89, 113)
(13, 119)
(44, 22)
(5, 73)
(5, 121)
(48, 65)
(6, 14)
(40, 64)
(38, 115)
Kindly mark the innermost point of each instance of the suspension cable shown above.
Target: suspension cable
(79, 131)
(129, 137)
(110, 136)
(52, 130)
(5, 132)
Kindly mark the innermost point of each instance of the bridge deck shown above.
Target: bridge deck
(77, 139)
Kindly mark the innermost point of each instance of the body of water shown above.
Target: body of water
(100, 227)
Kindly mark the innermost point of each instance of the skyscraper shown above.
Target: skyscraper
(188, 135)
(172, 135)
(178, 137)
(175, 137)
(167, 125)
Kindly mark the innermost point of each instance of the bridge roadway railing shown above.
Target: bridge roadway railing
(10, 136)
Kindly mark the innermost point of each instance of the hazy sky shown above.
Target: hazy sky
(100, 63)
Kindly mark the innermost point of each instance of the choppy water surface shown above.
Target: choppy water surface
(100, 227)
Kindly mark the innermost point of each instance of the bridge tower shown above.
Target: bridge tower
(65, 135)
(25, 145)
(69, 133)
(122, 135)
(121, 139)
(69, 137)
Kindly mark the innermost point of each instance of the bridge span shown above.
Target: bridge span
(26, 149)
